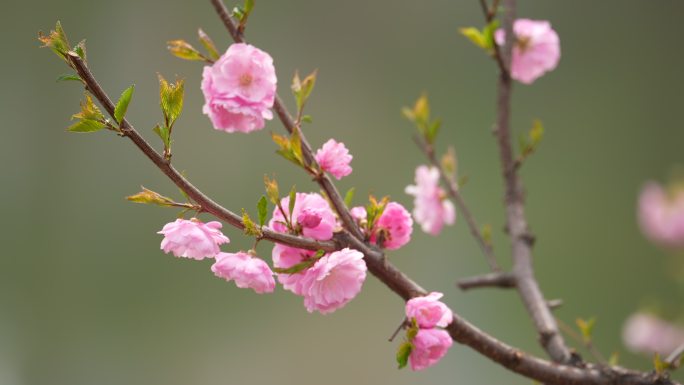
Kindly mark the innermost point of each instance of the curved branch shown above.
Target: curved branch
(501, 280)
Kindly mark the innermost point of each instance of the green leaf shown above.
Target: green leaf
(302, 88)
(403, 354)
(208, 44)
(586, 327)
(301, 266)
(614, 358)
(80, 50)
(536, 133)
(432, 130)
(163, 133)
(171, 96)
(89, 110)
(487, 233)
(238, 13)
(475, 36)
(147, 196)
(658, 364)
(272, 190)
(183, 50)
(488, 34)
(86, 126)
(296, 146)
(122, 104)
(57, 41)
(262, 209)
(248, 6)
(250, 226)
(293, 199)
(307, 119)
(449, 163)
(67, 77)
(290, 149)
(349, 196)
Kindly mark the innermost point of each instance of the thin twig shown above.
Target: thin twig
(454, 193)
(500, 280)
(673, 358)
(521, 238)
(567, 329)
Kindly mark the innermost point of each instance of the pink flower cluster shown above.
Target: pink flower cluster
(239, 89)
(661, 215)
(430, 344)
(394, 226)
(197, 240)
(333, 279)
(646, 333)
(430, 207)
(334, 158)
(536, 49)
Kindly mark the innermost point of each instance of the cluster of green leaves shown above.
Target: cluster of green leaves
(57, 41)
(184, 50)
(147, 196)
(405, 349)
(483, 38)
(290, 148)
(419, 115)
(374, 210)
(242, 12)
(273, 194)
(301, 89)
(90, 119)
(171, 101)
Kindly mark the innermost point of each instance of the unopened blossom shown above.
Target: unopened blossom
(429, 311)
(334, 158)
(431, 209)
(284, 257)
(239, 89)
(333, 281)
(311, 215)
(192, 238)
(646, 333)
(394, 226)
(247, 271)
(661, 215)
(429, 346)
(358, 213)
(536, 49)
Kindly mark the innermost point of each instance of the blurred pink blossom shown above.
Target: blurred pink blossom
(429, 311)
(645, 333)
(395, 225)
(333, 281)
(192, 238)
(285, 257)
(245, 270)
(661, 215)
(334, 158)
(430, 207)
(239, 89)
(429, 346)
(312, 215)
(536, 49)
(358, 213)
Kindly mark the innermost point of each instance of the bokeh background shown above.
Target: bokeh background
(87, 297)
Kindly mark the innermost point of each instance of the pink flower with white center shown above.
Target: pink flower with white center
(334, 158)
(192, 238)
(429, 346)
(285, 257)
(394, 226)
(239, 89)
(430, 207)
(429, 311)
(312, 215)
(333, 280)
(247, 271)
(536, 49)
(649, 334)
(661, 215)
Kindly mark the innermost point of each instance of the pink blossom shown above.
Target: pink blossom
(395, 225)
(333, 280)
(334, 158)
(661, 215)
(245, 270)
(312, 216)
(429, 346)
(536, 49)
(285, 257)
(239, 89)
(646, 333)
(429, 311)
(358, 213)
(430, 207)
(192, 238)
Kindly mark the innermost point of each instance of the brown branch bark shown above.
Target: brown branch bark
(500, 280)
(521, 238)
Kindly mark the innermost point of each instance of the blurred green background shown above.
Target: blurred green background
(87, 297)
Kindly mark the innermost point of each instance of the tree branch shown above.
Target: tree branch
(453, 192)
(500, 280)
(521, 238)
